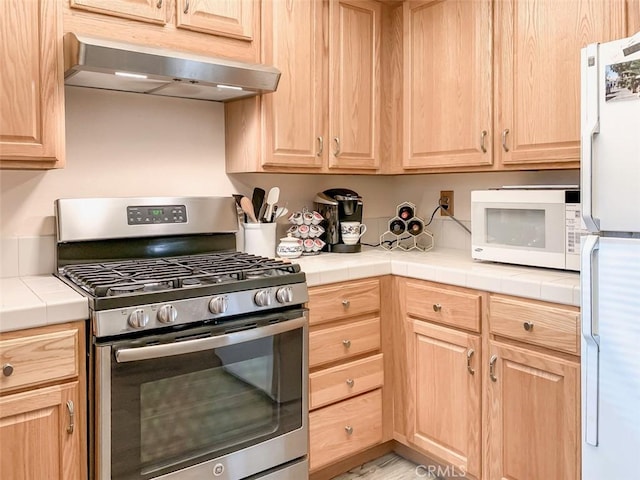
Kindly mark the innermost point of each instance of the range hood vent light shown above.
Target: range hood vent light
(106, 64)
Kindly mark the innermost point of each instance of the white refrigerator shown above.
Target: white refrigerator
(610, 261)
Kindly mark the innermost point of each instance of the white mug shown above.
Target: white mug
(352, 231)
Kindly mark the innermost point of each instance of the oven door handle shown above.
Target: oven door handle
(201, 344)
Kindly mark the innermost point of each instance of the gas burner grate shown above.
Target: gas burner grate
(128, 277)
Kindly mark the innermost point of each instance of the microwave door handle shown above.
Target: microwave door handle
(201, 344)
(591, 340)
(590, 93)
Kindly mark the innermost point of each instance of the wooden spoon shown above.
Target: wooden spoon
(247, 207)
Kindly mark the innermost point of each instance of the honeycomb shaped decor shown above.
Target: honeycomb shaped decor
(406, 231)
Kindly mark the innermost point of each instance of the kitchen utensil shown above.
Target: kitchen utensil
(257, 199)
(280, 212)
(272, 199)
(247, 207)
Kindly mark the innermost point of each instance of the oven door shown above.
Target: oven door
(224, 402)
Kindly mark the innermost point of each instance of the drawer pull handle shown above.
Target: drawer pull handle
(186, 7)
(350, 382)
(72, 416)
(320, 146)
(348, 429)
(492, 368)
(483, 135)
(505, 132)
(346, 303)
(470, 353)
(437, 307)
(159, 4)
(7, 369)
(346, 343)
(528, 326)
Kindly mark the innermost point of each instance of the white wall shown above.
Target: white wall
(124, 144)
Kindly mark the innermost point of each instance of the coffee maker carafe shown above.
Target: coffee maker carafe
(338, 205)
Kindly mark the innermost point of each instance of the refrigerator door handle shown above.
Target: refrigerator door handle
(590, 126)
(589, 326)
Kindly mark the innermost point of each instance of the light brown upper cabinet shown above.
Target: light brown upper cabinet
(325, 115)
(31, 92)
(496, 84)
(232, 18)
(154, 11)
(447, 84)
(537, 76)
(222, 28)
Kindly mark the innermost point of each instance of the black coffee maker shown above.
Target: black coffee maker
(338, 205)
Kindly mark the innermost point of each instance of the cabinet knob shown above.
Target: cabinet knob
(7, 369)
(348, 429)
(437, 307)
(350, 382)
(528, 326)
(346, 303)
(346, 343)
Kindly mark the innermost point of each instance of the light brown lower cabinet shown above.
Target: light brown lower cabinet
(42, 404)
(494, 396)
(345, 428)
(346, 378)
(533, 415)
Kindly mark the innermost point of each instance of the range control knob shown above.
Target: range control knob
(262, 298)
(284, 295)
(167, 314)
(218, 305)
(138, 318)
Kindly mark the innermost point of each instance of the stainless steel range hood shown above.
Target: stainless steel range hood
(111, 65)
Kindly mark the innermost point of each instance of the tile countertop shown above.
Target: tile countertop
(35, 301)
(453, 267)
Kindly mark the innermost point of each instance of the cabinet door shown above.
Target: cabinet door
(534, 423)
(40, 437)
(294, 122)
(537, 69)
(447, 84)
(229, 18)
(354, 91)
(444, 408)
(31, 88)
(154, 11)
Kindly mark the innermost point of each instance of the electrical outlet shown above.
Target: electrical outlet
(446, 200)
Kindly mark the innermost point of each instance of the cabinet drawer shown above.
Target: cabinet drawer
(445, 306)
(344, 381)
(536, 323)
(343, 300)
(343, 341)
(38, 358)
(345, 428)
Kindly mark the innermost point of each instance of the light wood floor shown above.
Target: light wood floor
(387, 467)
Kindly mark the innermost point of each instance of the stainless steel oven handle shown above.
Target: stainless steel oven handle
(201, 344)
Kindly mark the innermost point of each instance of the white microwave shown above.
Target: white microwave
(535, 227)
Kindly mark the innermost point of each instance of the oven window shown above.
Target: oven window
(172, 412)
(515, 227)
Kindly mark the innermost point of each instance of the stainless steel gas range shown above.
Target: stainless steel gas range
(198, 353)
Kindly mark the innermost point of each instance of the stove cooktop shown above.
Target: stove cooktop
(108, 279)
